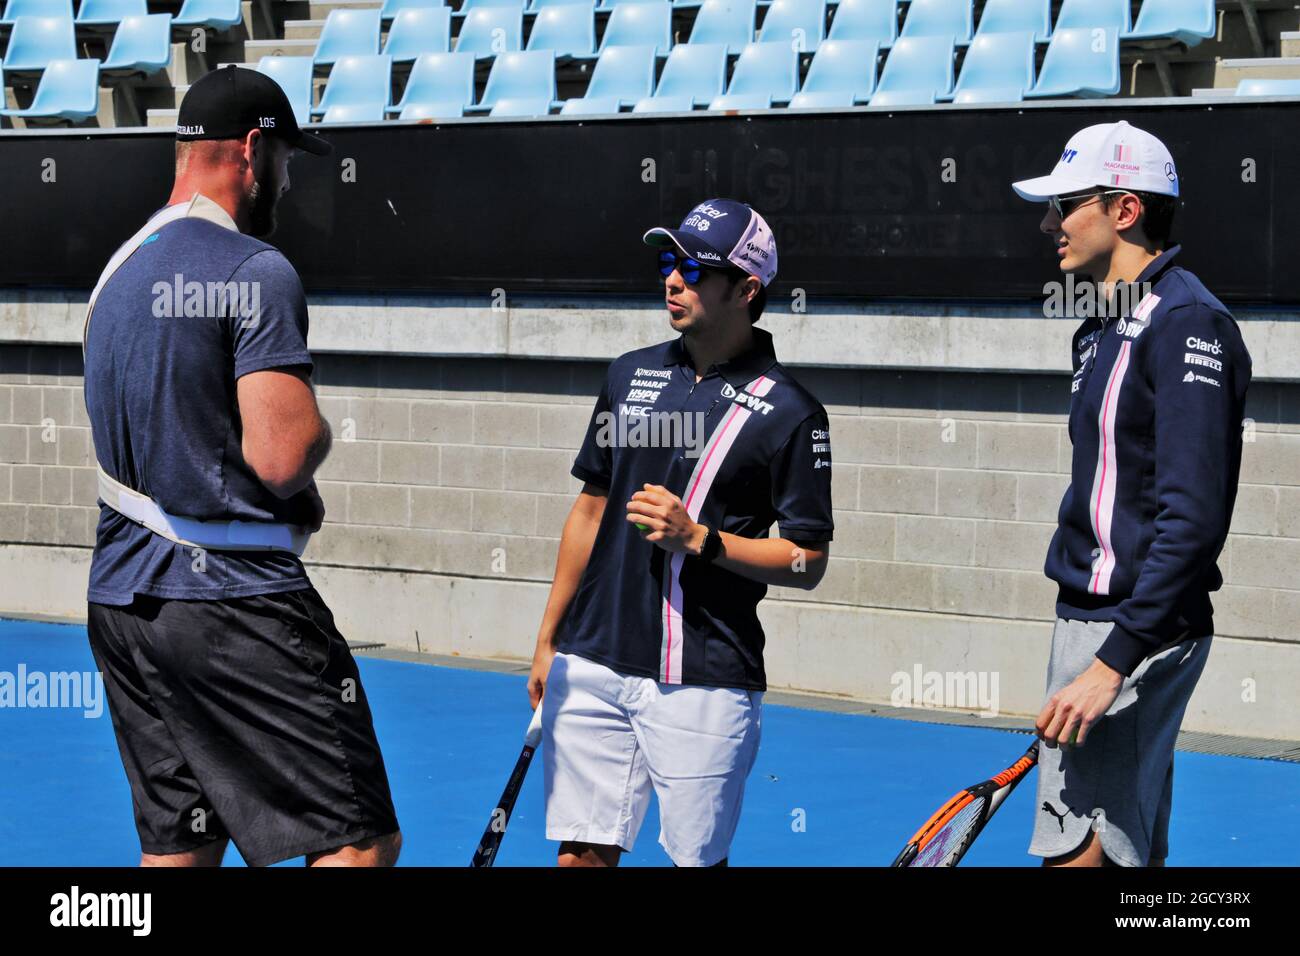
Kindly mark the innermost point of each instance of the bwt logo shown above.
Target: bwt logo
(1069, 155)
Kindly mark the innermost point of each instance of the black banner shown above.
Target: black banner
(864, 203)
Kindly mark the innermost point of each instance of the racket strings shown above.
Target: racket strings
(950, 838)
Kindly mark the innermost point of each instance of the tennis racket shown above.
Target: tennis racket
(486, 853)
(946, 836)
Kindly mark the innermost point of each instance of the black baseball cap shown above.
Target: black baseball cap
(227, 103)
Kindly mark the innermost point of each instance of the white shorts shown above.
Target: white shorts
(609, 739)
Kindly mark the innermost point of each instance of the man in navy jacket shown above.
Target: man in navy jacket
(1157, 399)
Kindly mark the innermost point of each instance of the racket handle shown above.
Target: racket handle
(533, 736)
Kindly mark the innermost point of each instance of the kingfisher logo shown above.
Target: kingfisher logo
(1068, 156)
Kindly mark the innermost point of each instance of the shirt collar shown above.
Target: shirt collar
(1158, 265)
(739, 370)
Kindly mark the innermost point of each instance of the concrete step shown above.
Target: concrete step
(1291, 43)
(1227, 73)
(162, 118)
(321, 10)
(303, 29)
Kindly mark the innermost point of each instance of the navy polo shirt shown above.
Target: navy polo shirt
(745, 447)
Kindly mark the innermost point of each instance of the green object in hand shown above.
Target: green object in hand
(641, 527)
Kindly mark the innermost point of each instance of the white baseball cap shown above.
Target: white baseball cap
(1110, 154)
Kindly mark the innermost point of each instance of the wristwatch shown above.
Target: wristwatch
(711, 546)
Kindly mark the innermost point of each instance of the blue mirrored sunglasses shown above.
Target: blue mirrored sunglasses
(690, 269)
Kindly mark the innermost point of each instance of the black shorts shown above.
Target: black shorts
(242, 718)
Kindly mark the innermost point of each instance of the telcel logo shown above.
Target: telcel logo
(1214, 348)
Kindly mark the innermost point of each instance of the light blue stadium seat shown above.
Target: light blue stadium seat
(1080, 14)
(665, 104)
(358, 88)
(624, 74)
(741, 101)
(440, 87)
(725, 21)
(873, 20)
(537, 5)
(69, 89)
(613, 4)
(212, 14)
(1264, 87)
(937, 18)
(524, 75)
(348, 33)
(1080, 62)
(917, 70)
(417, 31)
(766, 70)
(1187, 21)
(38, 40)
(998, 61)
(827, 100)
(482, 27)
(590, 106)
(141, 45)
(468, 5)
(990, 94)
(522, 106)
(844, 66)
(293, 73)
(640, 22)
(568, 29)
(105, 13)
(392, 8)
(1015, 16)
(788, 20)
(36, 8)
(694, 70)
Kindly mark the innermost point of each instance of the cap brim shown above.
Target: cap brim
(1045, 187)
(311, 143)
(687, 244)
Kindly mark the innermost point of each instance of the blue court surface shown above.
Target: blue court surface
(828, 789)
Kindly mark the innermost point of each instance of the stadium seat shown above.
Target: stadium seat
(990, 94)
(1265, 87)
(538, 5)
(106, 13)
(35, 8)
(640, 22)
(828, 100)
(590, 106)
(520, 75)
(872, 20)
(69, 89)
(665, 104)
(211, 14)
(741, 101)
(440, 87)
(1015, 16)
(624, 74)
(392, 8)
(358, 88)
(348, 33)
(843, 67)
(614, 4)
(1090, 14)
(488, 31)
(417, 31)
(469, 5)
(568, 29)
(141, 45)
(788, 19)
(765, 70)
(293, 73)
(1187, 21)
(998, 61)
(38, 40)
(1079, 63)
(697, 71)
(730, 22)
(522, 106)
(939, 18)
(918, 70)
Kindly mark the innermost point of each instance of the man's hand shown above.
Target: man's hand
(316, 505)
(1076, 707)
(671, 528)
(542, 658)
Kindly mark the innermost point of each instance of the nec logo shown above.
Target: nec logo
(1069, 155)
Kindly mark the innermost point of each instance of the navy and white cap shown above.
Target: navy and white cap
(718, 231)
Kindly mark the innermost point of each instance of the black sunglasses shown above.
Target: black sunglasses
(1063, 206)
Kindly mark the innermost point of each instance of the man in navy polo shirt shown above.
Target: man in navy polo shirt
(1157, 400)
(649, 661)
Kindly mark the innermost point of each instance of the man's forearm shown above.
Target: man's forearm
(775, 561)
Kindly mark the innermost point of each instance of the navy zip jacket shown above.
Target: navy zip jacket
(1156, 412)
